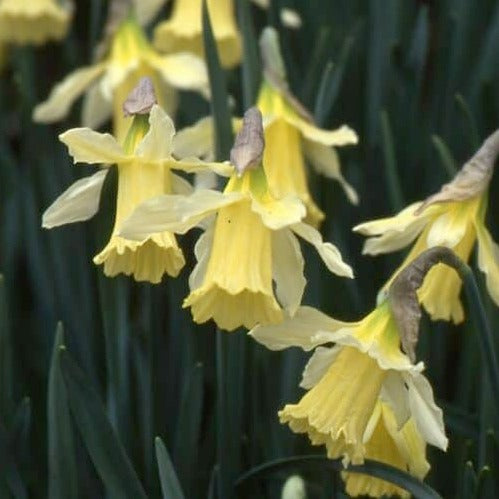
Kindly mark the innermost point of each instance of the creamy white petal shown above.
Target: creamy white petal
(279, 213)
(287, 269)
(318, 364)
(329, 253)
(394, 393)
(202, 250)
(77, 203)
(185, 71)
(174, 213)
(196, 140)
(87, 146)
(157, 143)
(299, 330)
(447, 230)
(427, 415)
(290, 18)
(65, 93)
(325, 161)
(180, 185)
(195, 165)
(96, 109)
(488, 260)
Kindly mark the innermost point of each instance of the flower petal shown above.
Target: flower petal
(329, 253)
(340, 137)
(174, 213)
(287, 269)
(279, 213)
(195, 140)
(180, 185)
(96, 109)
(488, 260)
(87, 146)
(65, 93)
(183, 70)
(325, 161)
(318, 364)
(147, 9)
(202, 250)
(394, 393)
(299, 330)
(157, 143)
(195, 165)
(450, 227)
(427, 415)
(77, 203)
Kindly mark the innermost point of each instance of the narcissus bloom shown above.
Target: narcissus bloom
(454, 217)
(144, 171)
(108, 82)
(250, 243)
(34, 21)
(183, 31)
(349, 385)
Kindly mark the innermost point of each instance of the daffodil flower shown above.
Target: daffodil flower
(144, 171)
(183, 30)
(455, 218)
(249, 242)
(108, 82)
(34, 21)
(348, 383)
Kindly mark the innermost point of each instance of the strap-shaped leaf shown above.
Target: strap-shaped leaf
(170, 486)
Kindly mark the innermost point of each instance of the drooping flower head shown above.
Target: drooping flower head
(365, 399)
(292, 136)
(454, 217)
(34, 21)
(183, 31)
(126, 56)
(249, 241)
(144, 164)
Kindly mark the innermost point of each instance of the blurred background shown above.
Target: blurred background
(418, 81)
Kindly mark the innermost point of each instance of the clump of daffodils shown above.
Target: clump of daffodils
(249, 241)
(34, 21)
(365, 397)
(145, 165)
(126, 56)
(183, 30)
(454, 217)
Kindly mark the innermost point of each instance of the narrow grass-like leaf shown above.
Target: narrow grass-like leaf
(6, 374)
(62, 473)
(170, 485)
(446, 159)
(250, 66)
(219, 95)
(391, 174)
(469, 482)
(463, 106)
(416, 487)
(105, 450)
(189, 426)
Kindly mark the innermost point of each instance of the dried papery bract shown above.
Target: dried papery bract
(141, 99)
(247, 152)
(472, 179)
(403, 299)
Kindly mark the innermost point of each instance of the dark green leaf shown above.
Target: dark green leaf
(107, 453)
(62, 474)
(169, 482)
(446, 158)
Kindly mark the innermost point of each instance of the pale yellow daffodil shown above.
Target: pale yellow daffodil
(183, 30)
(249, 242)
(361, 391)
(34, 21)
(108, 82)
(455, 218)
(144, 171)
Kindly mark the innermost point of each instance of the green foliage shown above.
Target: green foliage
(80, 411)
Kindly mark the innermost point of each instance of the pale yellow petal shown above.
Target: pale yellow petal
(195, 165)
(96, 109)
(174, 213)
(77, 203)
(65, 93)
(299, 330)
(329, 253)
(287, 269)
(180, 185)
(394, 394)
(318, 364)
(279, 213)
(449, 228)
(202, 251)
(290, 18)
(196, 140)
(326, 162)
(157, 143)
(87, 146)
(488, 260)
